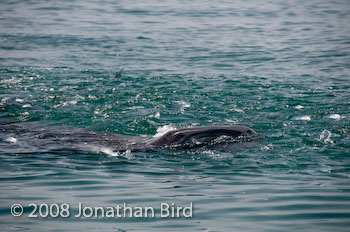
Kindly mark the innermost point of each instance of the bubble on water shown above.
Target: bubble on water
(163, 130)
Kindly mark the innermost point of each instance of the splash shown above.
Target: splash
(163, 130)
(108, 151)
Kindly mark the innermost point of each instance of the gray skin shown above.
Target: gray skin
(36, 137)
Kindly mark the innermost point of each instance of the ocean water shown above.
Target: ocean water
(279, 67)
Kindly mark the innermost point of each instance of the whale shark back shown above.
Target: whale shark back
(203, 136)
(37, 136)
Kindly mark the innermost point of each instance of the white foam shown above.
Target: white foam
(325, 136)
(184, 105)
(299, 107)
(109, 151)
(302, 118)
(267, 147)
(156, 115)
(163, 130)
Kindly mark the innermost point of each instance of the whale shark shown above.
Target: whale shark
(37, 136)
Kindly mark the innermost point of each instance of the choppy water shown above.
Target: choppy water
(281, 67)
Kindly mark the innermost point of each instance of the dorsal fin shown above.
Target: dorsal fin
(119, 73)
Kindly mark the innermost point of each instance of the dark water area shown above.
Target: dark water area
(279, 67)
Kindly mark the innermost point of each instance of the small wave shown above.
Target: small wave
(299, 107)
(334, 116)
(237, 110)
(302, 118)
(19, 100)
(26, 106)
(10, 139)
